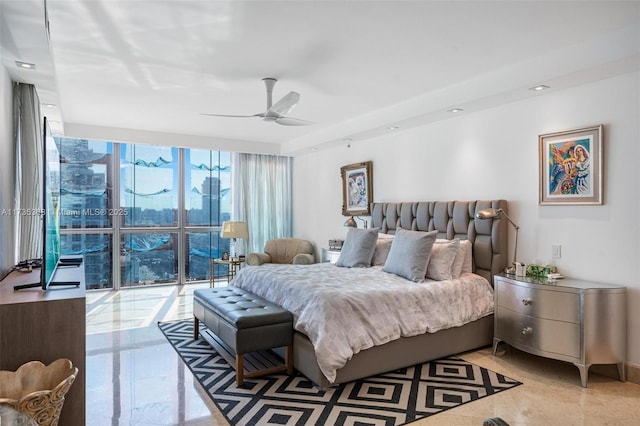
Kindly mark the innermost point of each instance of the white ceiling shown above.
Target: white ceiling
(139, 70)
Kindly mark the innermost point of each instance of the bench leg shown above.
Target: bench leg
(289, 359)
(239, 369)
(196, 328)
(240, 376)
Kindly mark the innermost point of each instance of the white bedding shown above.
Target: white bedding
(346, 310)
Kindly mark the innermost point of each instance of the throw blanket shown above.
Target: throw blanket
(346, 310)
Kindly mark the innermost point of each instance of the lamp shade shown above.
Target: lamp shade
(234, 230)
(488, 213)
(351, 222)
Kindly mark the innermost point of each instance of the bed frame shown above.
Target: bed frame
(452, 219)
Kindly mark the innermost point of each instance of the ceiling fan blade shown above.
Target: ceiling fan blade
(285, 105)
(232, 116)
(276, 112)
(290, 121)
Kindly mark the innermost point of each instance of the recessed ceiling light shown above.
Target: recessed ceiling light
(539, 88)
(455, 110)
(393, 128)
(315, 148)
(49, 105)
(25, 65)
(348, 139)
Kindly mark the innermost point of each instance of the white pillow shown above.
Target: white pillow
(441, 263)
(464, 259)
(380, 254)
(467, 264)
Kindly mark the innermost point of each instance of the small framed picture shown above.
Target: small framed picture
(357, 189)
(225, 255)
(571, 167)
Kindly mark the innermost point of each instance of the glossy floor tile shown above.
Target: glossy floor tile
(134, 377)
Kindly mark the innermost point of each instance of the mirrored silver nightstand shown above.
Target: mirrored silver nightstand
(581, 322)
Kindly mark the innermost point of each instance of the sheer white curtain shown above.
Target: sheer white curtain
(263, 191)
(27, 124)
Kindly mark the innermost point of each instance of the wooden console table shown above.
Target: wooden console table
(45, 326)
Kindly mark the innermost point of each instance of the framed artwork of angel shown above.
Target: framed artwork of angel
(571, 167)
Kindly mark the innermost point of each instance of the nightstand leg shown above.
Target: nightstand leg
(584, 373)
(496, 342)
(621, 372)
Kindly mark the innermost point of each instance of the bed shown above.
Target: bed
(420, 334)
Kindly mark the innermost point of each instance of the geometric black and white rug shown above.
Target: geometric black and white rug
(394, 398)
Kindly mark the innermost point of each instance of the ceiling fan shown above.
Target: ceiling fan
(275, 112)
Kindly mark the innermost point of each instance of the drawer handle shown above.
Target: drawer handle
(527, 302)
(527, 331)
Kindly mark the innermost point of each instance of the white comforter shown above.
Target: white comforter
(346, 310)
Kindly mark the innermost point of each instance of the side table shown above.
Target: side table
(330, 256)
(577, 321)
(233, 266)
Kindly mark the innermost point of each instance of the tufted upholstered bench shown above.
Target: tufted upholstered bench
(245, 322)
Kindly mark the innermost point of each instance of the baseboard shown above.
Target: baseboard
(633, 373)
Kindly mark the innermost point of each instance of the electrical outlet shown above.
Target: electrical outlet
(556, 251)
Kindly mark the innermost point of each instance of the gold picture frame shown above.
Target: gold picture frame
(571, 167)
(357, 189)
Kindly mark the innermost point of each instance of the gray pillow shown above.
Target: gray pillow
(358, 248)
(409, 254)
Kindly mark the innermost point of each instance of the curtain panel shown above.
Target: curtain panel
(29, 149)
(263, 197)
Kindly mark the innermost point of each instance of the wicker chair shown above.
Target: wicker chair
(284, 250)
(37, 389)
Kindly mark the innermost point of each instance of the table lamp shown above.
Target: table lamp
(351, 222)
(234, 230)
(492, 213)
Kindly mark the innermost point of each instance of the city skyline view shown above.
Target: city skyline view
(149, 193)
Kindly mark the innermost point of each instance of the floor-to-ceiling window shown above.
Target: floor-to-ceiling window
(85, 203)
(140, 214)
(149, 230)
(207, 204)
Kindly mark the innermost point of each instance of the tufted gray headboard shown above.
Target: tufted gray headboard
(452, 219)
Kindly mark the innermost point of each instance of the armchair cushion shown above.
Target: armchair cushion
(256, 259)
(303, 259)
(284, 250)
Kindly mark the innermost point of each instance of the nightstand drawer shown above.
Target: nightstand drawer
(548, 304)
(537, 335)
(330, 256)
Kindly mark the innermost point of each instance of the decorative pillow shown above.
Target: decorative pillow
(443, 256)
(358, 248)
(467, 264)
(380, 254)
(409, 254)
(464, 261)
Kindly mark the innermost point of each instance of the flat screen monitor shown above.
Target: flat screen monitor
(51, 205)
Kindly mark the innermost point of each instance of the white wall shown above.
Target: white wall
(494, 154)
(7, 239)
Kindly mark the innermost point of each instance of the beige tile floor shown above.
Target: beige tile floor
(134, 377)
